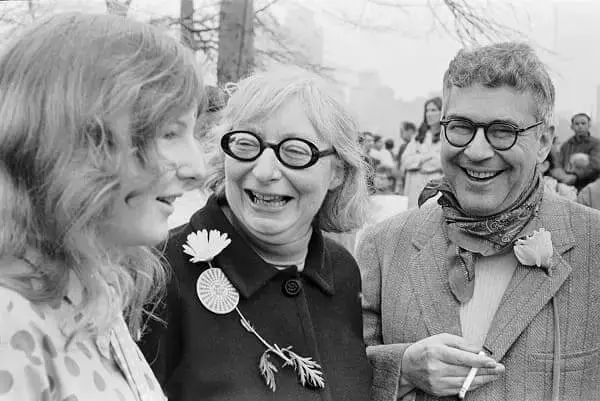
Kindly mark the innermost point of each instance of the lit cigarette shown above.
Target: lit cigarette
(470, 376)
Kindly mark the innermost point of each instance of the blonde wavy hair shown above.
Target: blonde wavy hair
(64, 84)
(254, 99)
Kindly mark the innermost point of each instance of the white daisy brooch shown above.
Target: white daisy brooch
(218, 295)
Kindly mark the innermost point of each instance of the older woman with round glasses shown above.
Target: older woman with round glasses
(276, 313)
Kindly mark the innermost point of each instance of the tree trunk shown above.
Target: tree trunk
(186, 14)
(236, 40)
(118, 7)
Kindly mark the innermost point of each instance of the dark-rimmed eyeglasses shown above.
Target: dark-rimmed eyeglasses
(501, 135)
(294, 153)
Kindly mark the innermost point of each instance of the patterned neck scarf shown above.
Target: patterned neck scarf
(491, 234)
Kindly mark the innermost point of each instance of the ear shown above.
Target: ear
(544, 144)
(337, 175)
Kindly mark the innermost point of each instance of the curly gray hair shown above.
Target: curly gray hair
(511, 64)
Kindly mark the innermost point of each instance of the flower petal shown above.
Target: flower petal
(189, 250)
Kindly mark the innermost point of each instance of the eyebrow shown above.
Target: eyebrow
(504, 120)
(280, 135)
(181, 123)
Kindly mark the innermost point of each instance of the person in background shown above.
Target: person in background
(389, 147)
(421, 161)
(376, 150)
(96, 142)
(550, 183)
(274, 313)
(366, 141)
(389, 163)
(380, 155)
(407, 133)
(579, 161)
(498, 274)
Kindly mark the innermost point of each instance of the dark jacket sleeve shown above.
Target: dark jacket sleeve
(160, 343)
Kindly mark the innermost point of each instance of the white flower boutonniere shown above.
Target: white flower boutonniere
(218, 295)
(535, 249)
(203, 246)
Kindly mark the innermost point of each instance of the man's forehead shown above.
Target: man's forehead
(481, 104)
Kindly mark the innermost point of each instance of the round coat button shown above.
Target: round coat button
(292, 287)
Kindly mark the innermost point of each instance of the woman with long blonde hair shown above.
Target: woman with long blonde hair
(97, 115)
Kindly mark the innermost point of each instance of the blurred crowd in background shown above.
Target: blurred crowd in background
(403, 167)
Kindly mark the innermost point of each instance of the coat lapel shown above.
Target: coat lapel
(531, 288)
(428, 275)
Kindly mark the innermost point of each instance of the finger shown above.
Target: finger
(449, 386)
(454, 341)
(452, 385)
(462, 371)
(498, 370)
(482, 380)
(454, 356)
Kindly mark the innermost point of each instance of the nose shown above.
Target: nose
(191, 167)
(479, 148)
(266, 167)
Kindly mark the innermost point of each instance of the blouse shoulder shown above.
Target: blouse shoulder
(16, 310)
(25, 343)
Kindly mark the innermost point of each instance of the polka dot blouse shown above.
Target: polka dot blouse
(38, 364)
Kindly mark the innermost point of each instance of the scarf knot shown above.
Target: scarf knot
(491, 234)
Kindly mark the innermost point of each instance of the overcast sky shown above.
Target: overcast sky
(565, 33)
(412, 58)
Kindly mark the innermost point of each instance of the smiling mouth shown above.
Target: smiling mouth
(167, 200)
(482, 175)
(269, 200)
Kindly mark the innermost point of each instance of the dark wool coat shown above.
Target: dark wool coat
(204, 356)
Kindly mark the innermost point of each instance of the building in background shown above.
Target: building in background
(304, 33)
(379, 109)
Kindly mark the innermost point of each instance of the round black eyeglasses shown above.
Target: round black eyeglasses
(294, 153)
(501, 135)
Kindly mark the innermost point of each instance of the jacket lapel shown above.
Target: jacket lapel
(428, 275)
(532, 288)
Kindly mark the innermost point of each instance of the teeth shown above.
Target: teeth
(268, 203)
(268, 200)
(481, 175)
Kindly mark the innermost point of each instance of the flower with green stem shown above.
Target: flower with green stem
(218, 295)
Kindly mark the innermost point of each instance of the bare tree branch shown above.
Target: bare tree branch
(465, 20)
(265, 7)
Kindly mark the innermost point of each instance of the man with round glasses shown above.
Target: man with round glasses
(497, 277)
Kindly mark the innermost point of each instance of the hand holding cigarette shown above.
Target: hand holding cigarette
(439, 364)
(468, 380)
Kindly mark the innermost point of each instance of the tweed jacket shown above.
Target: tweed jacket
(200, 355)
(406, 297)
